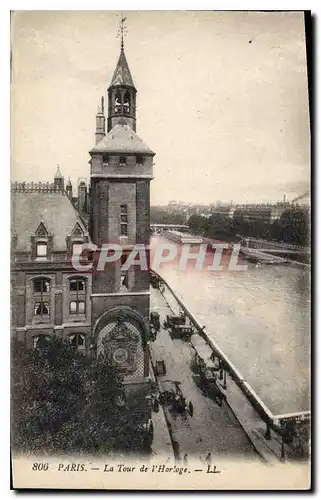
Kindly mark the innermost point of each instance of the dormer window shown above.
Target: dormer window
(139, 160)
(122, 160)
(41, 243)
(42, 249)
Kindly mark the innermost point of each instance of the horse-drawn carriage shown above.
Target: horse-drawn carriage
(172, 396)
(178, 327)
(210, 385)
(208, 371)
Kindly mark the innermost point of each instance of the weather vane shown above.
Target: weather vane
(122, 31)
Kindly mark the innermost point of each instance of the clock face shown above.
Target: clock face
(120, 355)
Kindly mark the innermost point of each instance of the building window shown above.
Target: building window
(78, 340)
(124, 282)
(77, 285)
(126, 105)
(122, 160)
(105, 158)
(41, 290)
(42, 309)
(77, 289)
(123, 220)
(41, 341)
(42, 250)
(118, 103)
(41, 285)
(139, 160)
(77, 307)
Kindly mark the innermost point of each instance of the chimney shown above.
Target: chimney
(100, 122)
(82, 198)
(69, 189)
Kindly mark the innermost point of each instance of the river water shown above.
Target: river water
(260, 318)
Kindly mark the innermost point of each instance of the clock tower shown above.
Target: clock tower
(121, 171)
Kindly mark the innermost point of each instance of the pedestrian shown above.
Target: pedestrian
(185, 459)
(208, 459)
(190, 408)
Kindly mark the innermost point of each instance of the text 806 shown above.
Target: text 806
(40, 466)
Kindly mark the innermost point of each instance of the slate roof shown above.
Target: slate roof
(122, 139)
(122, 74)
(56, 211)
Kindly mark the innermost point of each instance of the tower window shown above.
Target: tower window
(42, 250)
(122, 160)
(126, 103)
(123, 220)
(118, 103)
(139, 160)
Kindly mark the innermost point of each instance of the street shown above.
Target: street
(212, 429)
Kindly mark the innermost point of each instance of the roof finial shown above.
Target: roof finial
(122, 31)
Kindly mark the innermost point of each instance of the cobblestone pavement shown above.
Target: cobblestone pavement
(212, 429)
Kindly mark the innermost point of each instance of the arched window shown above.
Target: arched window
(126, 104)
(41, 341)
(118, 103)
(78, 340)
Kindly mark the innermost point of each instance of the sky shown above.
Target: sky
(222, 99)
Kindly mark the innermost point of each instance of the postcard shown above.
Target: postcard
(160, 250)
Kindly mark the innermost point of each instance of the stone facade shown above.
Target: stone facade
(95, 310)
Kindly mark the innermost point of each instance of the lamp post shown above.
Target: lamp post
(282, 458)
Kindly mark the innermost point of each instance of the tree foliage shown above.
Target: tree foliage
(62, 402)
(292, 227)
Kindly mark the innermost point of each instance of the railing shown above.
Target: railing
(35, 187)
(267, 416)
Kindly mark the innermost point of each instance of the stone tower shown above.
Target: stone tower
(121, 171)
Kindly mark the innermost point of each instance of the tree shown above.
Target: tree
(295, 225)
(62, 402)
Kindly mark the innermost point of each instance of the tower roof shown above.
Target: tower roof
(58, 174)
(122, 139)
(122, 75)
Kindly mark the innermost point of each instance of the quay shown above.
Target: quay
(257, 256)
(243, 425)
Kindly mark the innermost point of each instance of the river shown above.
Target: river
(260, 318)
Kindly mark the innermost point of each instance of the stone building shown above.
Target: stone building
(95, 311)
